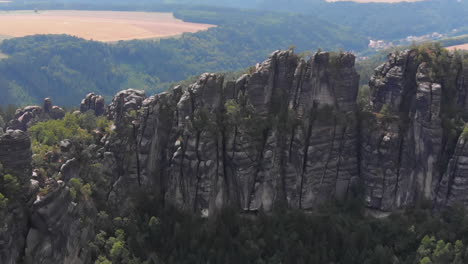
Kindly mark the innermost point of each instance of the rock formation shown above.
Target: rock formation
(289, 134)
(28, 116)
(286, 134)
(402, 140)
(15, 160)
(93, 102)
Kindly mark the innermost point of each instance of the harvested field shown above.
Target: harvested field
(459, 47)
(105, 26)
(376, 1)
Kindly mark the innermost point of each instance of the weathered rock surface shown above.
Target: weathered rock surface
(15, 154)
(401, 145)
(93, 102)
(452, 189)
(60, 229)
(289, 134)
(286, 134)
(46, 226)
(404, 142)
(28, 116)
(124, 102)
(15, 157)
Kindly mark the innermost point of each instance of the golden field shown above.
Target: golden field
(459, 47)
(108, 26)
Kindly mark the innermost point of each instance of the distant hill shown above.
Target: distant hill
(375, 20)
(66, 68)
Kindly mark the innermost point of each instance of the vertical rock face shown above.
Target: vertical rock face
(289, 133)
(15, 157)
(15, 154)
(285, 134)
(394, 83)
(34, 227)
(404, 143)
(125, 101)
(93, 102)
(59, 230)
(401, 145)
(452, 189)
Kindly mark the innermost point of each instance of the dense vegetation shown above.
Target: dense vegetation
(337, 232)
(376, 20)
(334, 233)
(66, 68)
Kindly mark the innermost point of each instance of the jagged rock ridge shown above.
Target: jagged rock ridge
(287, 134)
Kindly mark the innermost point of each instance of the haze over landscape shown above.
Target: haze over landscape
(375, 1)
(105, 26)
(240, 131)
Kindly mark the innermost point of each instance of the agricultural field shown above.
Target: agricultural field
(459, 47)
(106, 26)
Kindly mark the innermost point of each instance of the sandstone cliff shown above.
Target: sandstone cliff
(287, 135)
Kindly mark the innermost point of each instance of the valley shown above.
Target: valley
(215, 131)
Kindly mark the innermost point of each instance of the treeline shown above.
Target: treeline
(334, 233)
(66, 68)
(454, 41)
(376, 20)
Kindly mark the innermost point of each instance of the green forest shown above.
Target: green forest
(335, 233)
(375, 20)
(66, 68)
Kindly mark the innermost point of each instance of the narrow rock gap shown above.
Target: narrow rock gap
(197, 172)
(259, 166)
(181, 169)
(430, 103)
(398, 167)
(137, 156)
(451, 177)
(332, 145)
(340, 151)
(306, 153)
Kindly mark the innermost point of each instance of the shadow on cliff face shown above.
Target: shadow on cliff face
(287, 136)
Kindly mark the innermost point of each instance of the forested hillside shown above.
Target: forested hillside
(187, 176)
(375, 20)
(65, 67)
